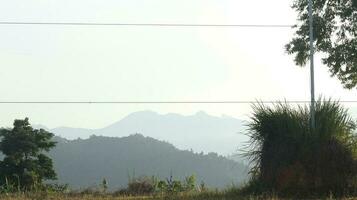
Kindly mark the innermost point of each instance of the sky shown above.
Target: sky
(71, 63)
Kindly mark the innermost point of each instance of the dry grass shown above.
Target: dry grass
(182, 196)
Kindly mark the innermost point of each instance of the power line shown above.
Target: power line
(159, 102)
(153, 25)
(145, 24)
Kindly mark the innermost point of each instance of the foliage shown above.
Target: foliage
(209, 195)
(139, 186)
(153, 185)
(172, 186)
(227, 194)
(57, 188)
(25, 165)
(335, 35)
(190, 183)
(104, 185)
(142, 186)
(175, 186)
(289, 157)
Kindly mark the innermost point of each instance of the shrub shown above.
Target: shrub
(175, 186)
(290, 157)
(152, 185)
(190, 183)
(141, 186)
(57, 188)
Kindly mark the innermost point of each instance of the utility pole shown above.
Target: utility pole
(312, 76)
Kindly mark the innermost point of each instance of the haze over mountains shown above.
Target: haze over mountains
(199, 132)
(84, 163)
(118, 151)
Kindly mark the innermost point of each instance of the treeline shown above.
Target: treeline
(84, 163)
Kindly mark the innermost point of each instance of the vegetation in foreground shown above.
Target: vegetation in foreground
(207, 195)
(292, 159)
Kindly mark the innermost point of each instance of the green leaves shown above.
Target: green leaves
(22, 140)
(24, 164)
(335, 36)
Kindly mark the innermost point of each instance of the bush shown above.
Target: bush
(142, 185)
(175, 186)
(289, 157)
(139, 186)
(152, 185)
(57, 188)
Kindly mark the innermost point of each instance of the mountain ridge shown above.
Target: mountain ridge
(85, 162)
(199, 132)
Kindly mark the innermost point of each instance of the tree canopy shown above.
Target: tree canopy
(335, 36)
(25, 163)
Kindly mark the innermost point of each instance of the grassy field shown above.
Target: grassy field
(182, 196)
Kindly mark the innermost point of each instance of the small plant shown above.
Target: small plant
(104, 185)
(174, 186)
(57, 188)
(190, 183)
(162, 186)
(202, 187)
(8, 187)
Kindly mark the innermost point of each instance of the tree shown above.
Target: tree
(335, 36)
(25, 164)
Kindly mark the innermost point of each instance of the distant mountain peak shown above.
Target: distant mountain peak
(144, 112)
(201, 113)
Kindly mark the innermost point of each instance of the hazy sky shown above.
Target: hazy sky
(71, 63)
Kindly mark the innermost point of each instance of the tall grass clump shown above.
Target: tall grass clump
(289, 157)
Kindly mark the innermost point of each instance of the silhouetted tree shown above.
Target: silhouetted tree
(25, 165)
(335, 35)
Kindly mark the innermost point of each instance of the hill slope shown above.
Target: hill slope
(83, 163)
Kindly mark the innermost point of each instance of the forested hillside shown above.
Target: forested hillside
(83, 163)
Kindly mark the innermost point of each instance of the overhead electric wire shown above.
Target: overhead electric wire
(145, 24)
(152, 25)
(159, 102)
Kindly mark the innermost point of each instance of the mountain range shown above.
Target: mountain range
(199, 132)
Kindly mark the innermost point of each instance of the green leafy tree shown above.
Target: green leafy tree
(25, 164)
(335, 36)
